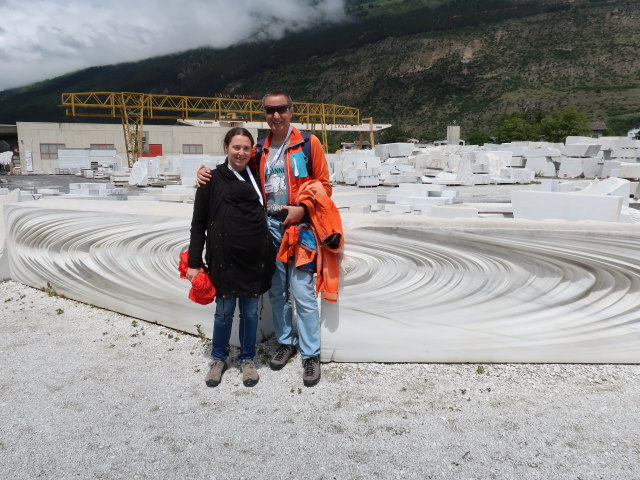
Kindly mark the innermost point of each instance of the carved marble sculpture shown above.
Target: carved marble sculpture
(414, 289)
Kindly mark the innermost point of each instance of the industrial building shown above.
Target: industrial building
(40, 143)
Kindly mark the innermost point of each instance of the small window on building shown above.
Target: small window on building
(191, 148)
(102, 146)
(49, 151)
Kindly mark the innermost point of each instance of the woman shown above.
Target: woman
(228, 215)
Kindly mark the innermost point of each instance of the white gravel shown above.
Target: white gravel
(88, 393)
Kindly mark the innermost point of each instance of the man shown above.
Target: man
(282, 167)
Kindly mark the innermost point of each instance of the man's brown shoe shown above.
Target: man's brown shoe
(249, 373)
(282, 356)
(311, 368)
(214, 376)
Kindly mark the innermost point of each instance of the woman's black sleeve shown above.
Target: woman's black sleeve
(199, 224)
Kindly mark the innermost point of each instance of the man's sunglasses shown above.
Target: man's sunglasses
(280, 109)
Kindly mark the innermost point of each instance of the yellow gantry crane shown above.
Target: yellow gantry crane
(135, 108)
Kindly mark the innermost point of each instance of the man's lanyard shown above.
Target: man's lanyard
(253, 182)
(278, 153)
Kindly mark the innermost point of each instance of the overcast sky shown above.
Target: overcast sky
(41, 39)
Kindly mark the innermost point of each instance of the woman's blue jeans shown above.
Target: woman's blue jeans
(223, 321)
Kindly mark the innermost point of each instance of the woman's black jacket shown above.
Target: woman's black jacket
(228, 216)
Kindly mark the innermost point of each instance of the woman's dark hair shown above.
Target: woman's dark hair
(237, 131)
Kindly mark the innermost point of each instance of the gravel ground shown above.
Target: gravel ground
(88, 393)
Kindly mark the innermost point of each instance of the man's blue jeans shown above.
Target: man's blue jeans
(302, 288)
(223, 320)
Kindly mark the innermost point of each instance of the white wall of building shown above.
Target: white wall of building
(81, 135)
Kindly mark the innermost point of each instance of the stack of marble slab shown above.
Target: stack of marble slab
(74, 160)
(120, 178)
(614, 153)
(393, 174)
(168, 193)
(387, 150)
(540, 157)
(418, 198)
(93, 189)
(471, 165)
(397, 167)
(357, 167)
(580, 160)
(355, 201)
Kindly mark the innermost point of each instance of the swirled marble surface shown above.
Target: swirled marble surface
(413, 289)
(122, 256)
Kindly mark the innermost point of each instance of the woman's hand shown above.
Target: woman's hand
(193, 272)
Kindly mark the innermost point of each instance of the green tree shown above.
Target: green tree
(477, 137)
(393, 134)
(516, 127)
(562, 123)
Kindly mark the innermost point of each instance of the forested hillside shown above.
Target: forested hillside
(422, 67)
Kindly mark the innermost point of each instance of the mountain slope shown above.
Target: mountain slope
(464, 61)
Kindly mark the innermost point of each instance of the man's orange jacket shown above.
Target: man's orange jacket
(319, 168)
(327, 226)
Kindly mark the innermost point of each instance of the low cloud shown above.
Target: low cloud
(42, 39)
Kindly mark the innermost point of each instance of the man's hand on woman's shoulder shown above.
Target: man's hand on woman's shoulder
(203, 176)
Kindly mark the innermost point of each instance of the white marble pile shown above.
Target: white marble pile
(91, 189)
(74, 160)
(146, 170)
(356, 167)
(613, 153)
(5, 157)
(418, 198)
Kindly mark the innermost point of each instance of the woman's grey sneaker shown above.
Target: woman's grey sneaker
(282, 356)
(214, 376)
(249, 373)
(311, 368)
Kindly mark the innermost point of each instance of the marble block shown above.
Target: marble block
(617, 187)
(428, 189)
(518, 175)
(398, 208)
(611, 168)
(629, 170)
(479, 179)
(381, 151)
(553, 185)
(116, 255)
(625, 153)
(532, 205)
(592, 167)
(517, 162)
(369, 181)
(571, 167)
(401, 149)
(580, 150)
(454, 211)
(426, 289)
(543, 166)
(413, 289)
(350, 198)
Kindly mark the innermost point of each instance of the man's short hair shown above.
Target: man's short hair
(277, 93)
